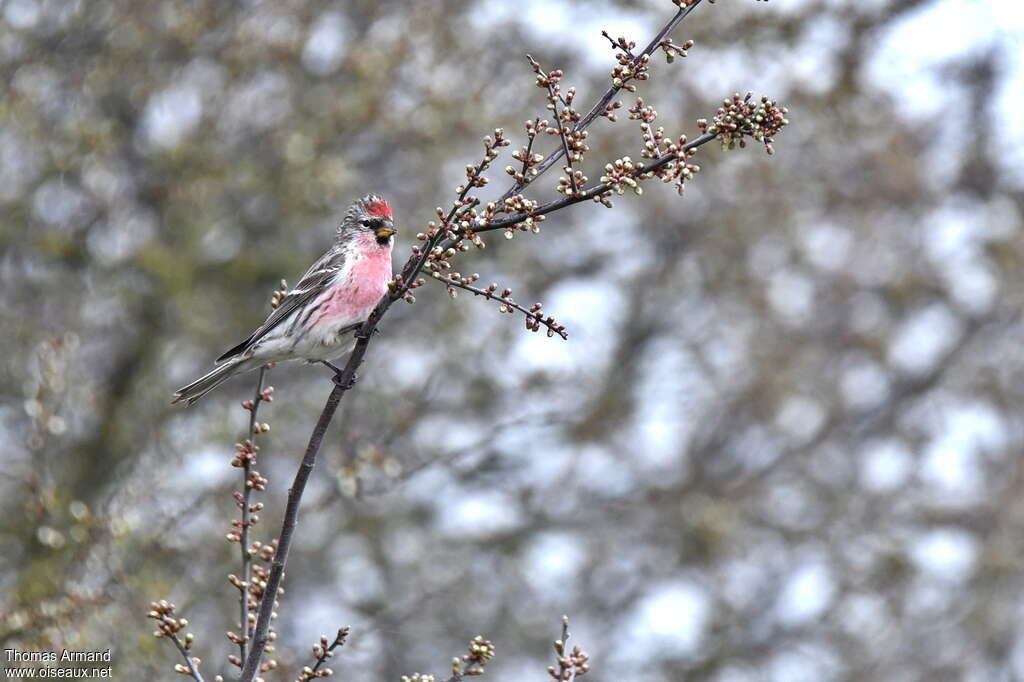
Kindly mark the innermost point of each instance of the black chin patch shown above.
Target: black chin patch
(383, 240)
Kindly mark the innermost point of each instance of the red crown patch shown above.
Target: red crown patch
(379, 208)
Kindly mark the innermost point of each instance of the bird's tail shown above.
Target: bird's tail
(206, 383)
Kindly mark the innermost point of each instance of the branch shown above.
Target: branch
(243, 541)
(480, 652)
(168, 627)
(550, 81)
(190, 662)
(533, 315)
(605, 99)
(323, 652)
(342, 383)
(571, 664)
(591, 192)
(291, 516)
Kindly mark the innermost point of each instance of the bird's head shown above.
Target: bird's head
(369, 215)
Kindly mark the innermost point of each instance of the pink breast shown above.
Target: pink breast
(353, 296)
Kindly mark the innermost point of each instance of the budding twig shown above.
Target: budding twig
(591, 192)
(609, 94)
(168, 627)
(323, 651)
(534, 318)
(243, 543)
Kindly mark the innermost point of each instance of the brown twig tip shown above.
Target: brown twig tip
(323, 651)
(169, 626)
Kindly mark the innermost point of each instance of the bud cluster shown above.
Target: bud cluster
(251, 591)
(526, 155)
(741, 117)
(672, 50)
(629, 66)
(619, 175)
(570, 664)
(278, 295)
(481, 651)
(168, 625)
(163, 612)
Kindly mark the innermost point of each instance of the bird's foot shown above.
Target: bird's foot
(340, 381)
(362, 337)
(334, 368)
(339, 373)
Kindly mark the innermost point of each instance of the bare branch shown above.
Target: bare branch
(534, 318)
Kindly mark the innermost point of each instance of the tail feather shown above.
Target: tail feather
(206, 383)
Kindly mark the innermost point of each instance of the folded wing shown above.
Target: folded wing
(308, 288)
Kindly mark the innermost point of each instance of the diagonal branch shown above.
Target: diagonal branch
(190, 667)
(342, 383)
(533, 317)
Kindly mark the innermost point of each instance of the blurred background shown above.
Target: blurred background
(781, 442)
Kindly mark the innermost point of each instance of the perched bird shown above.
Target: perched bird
(314, 321)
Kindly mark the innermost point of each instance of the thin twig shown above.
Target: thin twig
(471, 670)
(604, 101)
(244, 533)
(326, 652)
(192, 669)
(529, 148)
(558, 121)
(342, 383)
(531, 316)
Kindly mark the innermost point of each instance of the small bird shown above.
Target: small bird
(334, 297)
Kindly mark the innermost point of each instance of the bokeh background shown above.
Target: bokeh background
(782, 442)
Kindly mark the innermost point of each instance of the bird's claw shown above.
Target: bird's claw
(338, 379)
(363, 337)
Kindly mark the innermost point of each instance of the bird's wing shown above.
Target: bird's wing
(308, 288)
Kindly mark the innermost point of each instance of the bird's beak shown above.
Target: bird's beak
(385, 232)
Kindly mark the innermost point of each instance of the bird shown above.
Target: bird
(313, 321)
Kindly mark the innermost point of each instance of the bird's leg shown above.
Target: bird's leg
(338, 372)
(362, 337)
(334, 368)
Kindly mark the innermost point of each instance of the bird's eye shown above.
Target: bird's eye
(365, 223)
